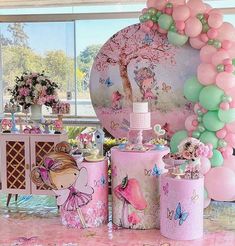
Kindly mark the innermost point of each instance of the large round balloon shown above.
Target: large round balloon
(137, 66)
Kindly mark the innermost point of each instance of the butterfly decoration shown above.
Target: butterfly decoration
(106, 82)
(194, 197)
(147, 172)
(159, 131)
(114, 125)
(180, 215)
(147, 39)
(24, 240)
(101, 182)
(170, 214)
(156, 171)
(125, 125)
(166, 88)
(166, 188)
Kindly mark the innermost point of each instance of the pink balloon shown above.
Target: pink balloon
(230, 139)
(196, 43)
(193, 27)
(206, 53)
(162, 30)
(149, 23)
(207, 202)
(215, 20)
(225, 80)
(158, 4)
(204, 37)
(181, 13)
(212, 33)
(189, 123)
(231, 127)
(206, 74)
(231, 51)
(226, 32)
(226, 44)
(180, 25)
(230, 162)
(144, 10)
(220, 183)
(196, 6)
(227, 152)
(208, 7)
(219, 57)
(205, 165)
(229, 68)
(231, 93)
(178, 2)
(224, 106)
(221, 133)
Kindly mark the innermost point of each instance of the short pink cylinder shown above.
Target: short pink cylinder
(181, 203)
(95, 212)
(135, 188)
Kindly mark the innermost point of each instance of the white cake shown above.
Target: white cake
(140, 118)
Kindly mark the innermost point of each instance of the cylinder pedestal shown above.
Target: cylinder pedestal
(95, 213)
(181, 208)
(135, 188)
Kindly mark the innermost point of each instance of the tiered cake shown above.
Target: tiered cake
(140, 118)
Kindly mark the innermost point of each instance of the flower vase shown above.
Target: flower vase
(36, 112)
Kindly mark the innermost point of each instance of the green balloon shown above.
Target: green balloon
(222, 143)
(212, 122)
(142, 19)
(147, 17)
(217, 159)
(177, 39)
(176, 139)
(196, 134)
(192, 89)
(209, 137)
(210, 97)
(165, 21)
(227, 116)
(152, 11)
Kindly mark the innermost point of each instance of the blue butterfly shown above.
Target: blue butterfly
(108, 82)
(103, 181)
(179, 215)
(156, 171)
(147, 39)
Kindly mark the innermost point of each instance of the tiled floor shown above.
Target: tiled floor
(35, 221)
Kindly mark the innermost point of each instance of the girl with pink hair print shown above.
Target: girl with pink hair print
(145, 79)
(70, 184)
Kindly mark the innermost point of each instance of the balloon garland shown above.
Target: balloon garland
(213, 88)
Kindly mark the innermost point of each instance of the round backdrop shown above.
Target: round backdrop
(135, 66)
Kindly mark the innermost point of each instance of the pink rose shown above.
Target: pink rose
(24, 91)
(133, 218)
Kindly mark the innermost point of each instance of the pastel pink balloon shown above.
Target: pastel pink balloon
(177, 2)
(149, 23)
(206, 53)
(224, 106)
(230, 139)
(162, 30)
(204, 37)
(181, 13)
(158, 4)
(196, 43)
(226, 44)
(189, 123)
(208, 7)
(229, 68)
(225, 80)
(226, 32)
(219, 57)
(207, 202)
(221, 133)
(227, 61)
(230, 162)
(196, 6)
(215, 20)
(212, 33)
(231, 127)
(144, 10)
(193, 27)
(180, 25)
(220, 183)
(227, 152)
(231, 92)
(206, 74)
(231, 51)
(205, 165)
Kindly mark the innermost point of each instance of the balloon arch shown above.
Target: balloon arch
(212, 89)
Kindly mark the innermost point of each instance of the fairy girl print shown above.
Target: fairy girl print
(145, 79)
(70, 184)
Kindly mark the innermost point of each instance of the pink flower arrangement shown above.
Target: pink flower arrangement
(85, 138)
(58, 124)
(34, 88)
(6, 124)
(133, 219)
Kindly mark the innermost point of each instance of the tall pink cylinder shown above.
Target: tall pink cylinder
(135, 188)
(95, 212)
(181, 212)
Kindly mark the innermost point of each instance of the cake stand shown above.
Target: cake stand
(140, 134)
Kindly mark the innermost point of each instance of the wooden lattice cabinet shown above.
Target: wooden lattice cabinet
(19, 154)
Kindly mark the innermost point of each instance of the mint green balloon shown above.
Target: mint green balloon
(192, 89)
(227, 116)
(176, 38)
(165, 21)
(196, 134)
(212, 122)
(210, 97)
(176, 139)
(209, 137)
(217, 159)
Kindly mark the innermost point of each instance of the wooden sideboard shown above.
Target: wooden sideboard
(20, 153)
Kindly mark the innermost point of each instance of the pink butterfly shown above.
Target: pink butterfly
(166, 188)
(81, 185)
